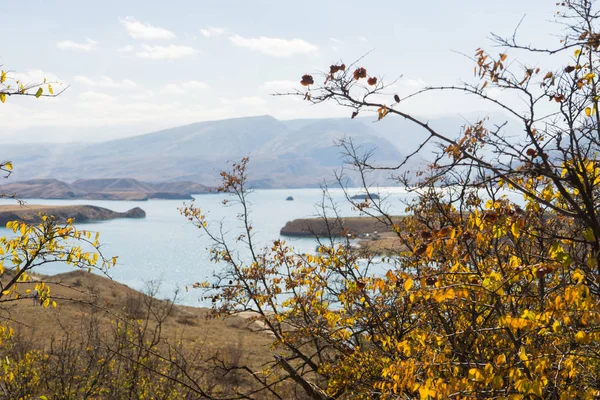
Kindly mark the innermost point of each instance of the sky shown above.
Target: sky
(136, 66)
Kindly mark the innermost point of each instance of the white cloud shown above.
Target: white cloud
(165, 52)
(84, 80)
(180, 88)
(71, 45)
(212, 31)
(363, 39)
(32, 76)
(146, 95)
(281, 85)
(144, 31)
(96, 97)
(105, 81)
(126, 49)
(195, 85)
(275, 46)
(335, 40)
(245, 101)
(172, 88)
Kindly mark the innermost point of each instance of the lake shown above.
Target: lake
(166, 247)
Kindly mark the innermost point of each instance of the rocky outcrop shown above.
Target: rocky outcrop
(135, 212)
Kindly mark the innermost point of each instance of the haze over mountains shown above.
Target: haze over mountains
(295, 153)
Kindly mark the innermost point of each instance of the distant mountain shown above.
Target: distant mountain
(297, 153)
(101, 189)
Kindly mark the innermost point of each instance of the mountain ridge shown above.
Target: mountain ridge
(288, 153)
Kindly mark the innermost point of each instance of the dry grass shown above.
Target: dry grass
(80, 294)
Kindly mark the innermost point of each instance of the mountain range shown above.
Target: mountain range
(293, 153)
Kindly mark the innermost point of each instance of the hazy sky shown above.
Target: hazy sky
(134, 66)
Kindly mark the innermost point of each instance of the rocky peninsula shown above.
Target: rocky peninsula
(81, 213)
(368, 233)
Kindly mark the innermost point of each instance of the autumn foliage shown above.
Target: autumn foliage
(483, 297)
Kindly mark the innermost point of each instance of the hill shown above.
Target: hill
(89, 308)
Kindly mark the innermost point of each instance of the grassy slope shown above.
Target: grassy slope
(190, 324)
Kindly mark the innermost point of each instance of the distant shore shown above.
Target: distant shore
(126, 189)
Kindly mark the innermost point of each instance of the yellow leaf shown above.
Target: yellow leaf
(588, 112)
(501, 359)
(429, 251)
(582, 337)
(577, 53)
(476, 375)
(3, 77)
(536, 389)
(50, 89)
(408, 284)
(556, 326)
(523, 354)
(515, 229)
(3, 97)
(497, 382)
(578, 275)
(382, 111)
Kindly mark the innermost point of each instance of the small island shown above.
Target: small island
(80, 213)
(289, 198)
(365, 196)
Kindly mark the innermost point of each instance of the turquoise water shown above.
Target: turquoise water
(165, 247)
